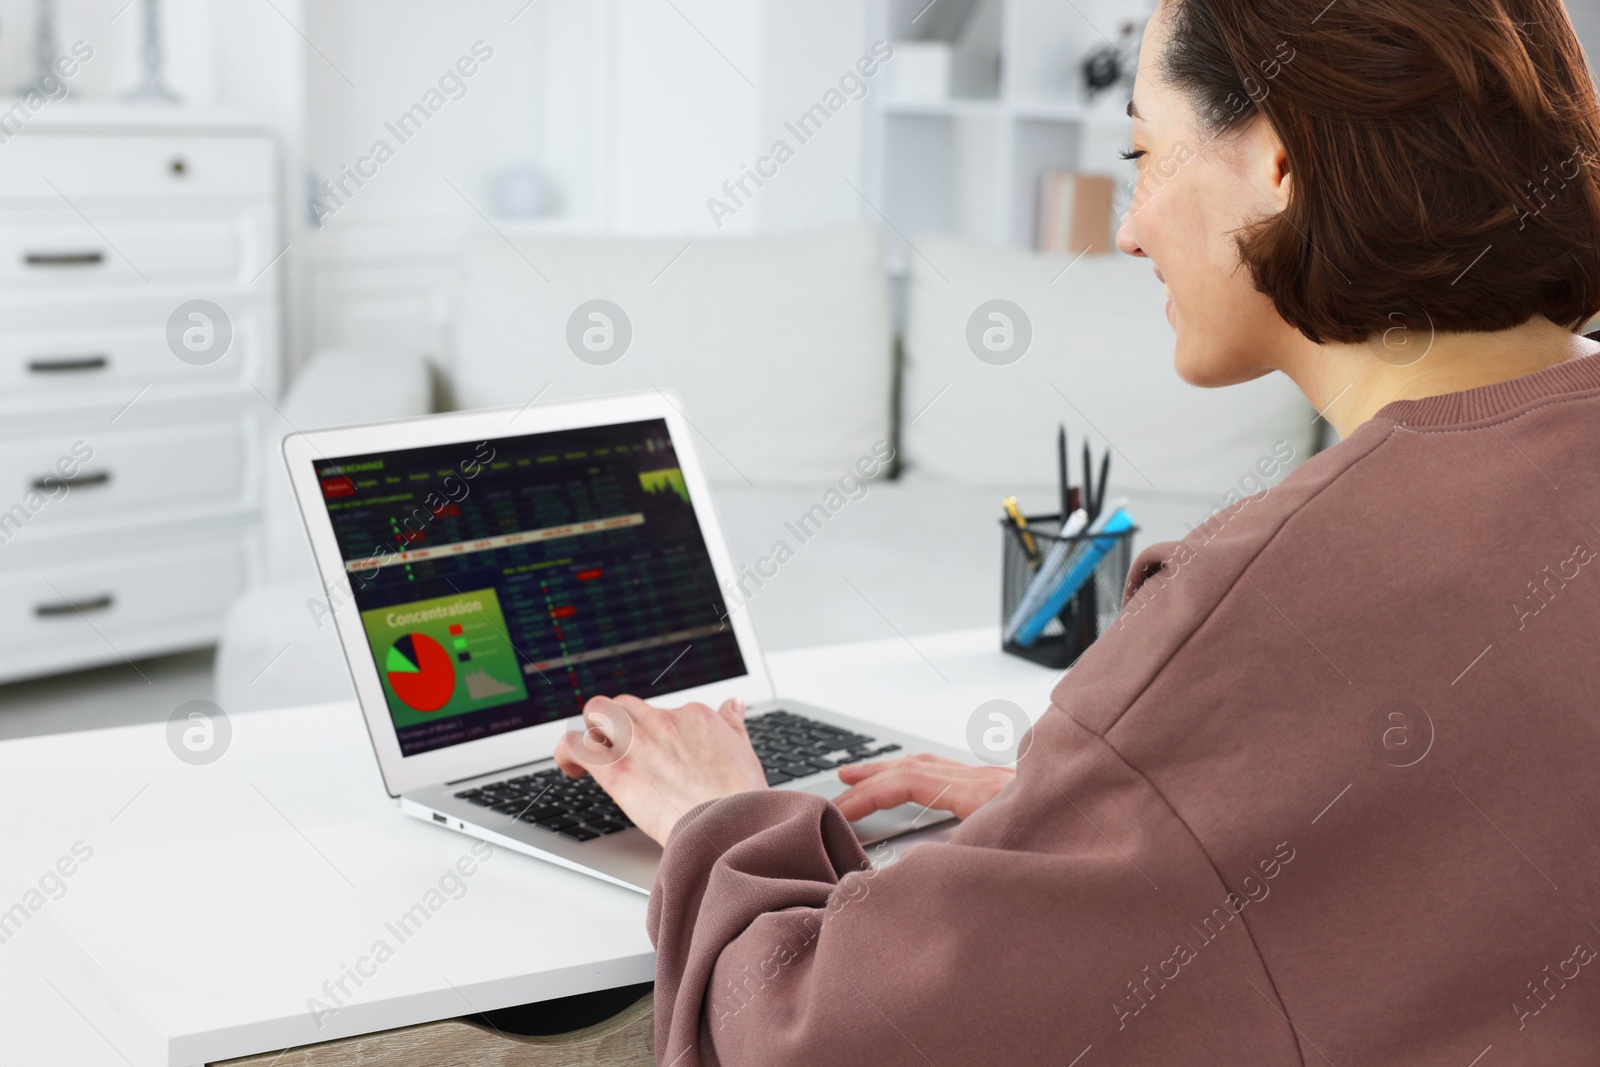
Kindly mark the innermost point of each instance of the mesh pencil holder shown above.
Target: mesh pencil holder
(1087, 613)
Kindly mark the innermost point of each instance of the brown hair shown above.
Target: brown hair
(1441, 157)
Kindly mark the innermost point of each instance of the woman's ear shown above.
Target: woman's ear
(1282, 178)
(1266, 162)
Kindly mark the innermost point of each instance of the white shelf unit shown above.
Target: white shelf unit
(130, 476)
(971, 164)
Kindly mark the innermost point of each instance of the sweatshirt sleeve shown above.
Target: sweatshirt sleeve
(1073, 911)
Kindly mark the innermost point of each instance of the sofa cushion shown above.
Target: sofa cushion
(779, 346)
(1100, 360)
(338, 387)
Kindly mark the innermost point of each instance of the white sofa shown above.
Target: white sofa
(782, 350)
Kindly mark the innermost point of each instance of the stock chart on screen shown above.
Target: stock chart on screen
(502, 583)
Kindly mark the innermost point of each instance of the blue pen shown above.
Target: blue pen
(1119, 521)
(1055, 565)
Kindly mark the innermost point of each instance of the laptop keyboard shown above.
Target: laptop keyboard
(573, 807)
(790, 746)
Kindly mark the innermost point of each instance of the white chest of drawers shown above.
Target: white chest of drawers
(130, 477)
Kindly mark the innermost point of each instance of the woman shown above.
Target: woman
(1330, 791)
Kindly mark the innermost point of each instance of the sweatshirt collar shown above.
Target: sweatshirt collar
(1486, 401)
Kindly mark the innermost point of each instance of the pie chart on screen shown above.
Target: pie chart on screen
(420, 672)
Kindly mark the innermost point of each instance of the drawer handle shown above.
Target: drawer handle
(71, 607)
(67, 363)
(80, 481)
(64, 259)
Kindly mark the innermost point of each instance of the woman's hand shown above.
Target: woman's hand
(933, 781)
(657, 763)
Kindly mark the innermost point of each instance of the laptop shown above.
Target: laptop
(490, 571)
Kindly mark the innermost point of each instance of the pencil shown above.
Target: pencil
(1017, 520)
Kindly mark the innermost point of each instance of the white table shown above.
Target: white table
(219, 899)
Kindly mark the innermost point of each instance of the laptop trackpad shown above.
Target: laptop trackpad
(887, 823)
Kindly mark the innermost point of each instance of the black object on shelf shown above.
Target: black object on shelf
(1086, 614)
(1111, 64)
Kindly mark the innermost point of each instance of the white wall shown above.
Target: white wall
(808, 46)
(686, 100)
(638, 111)
(375, 59)
(1585, 15)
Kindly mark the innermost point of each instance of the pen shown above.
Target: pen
(1082, 570)
(1105, 469)
(1021, 524)
(1061, 472)
(1062, 553)
(1088, 481)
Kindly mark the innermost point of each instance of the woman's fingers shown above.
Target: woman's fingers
(851, 773)
(890, 789)
(607, 735)
(732, 712)
(569, 754)
(607, 718)
(564, 759)
(944, 785)
(638, 710)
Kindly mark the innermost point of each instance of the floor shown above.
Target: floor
(116, 695)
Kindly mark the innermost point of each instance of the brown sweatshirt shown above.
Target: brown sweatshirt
(1328, 792)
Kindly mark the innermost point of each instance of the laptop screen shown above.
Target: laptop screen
(503, 583)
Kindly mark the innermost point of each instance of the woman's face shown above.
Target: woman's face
(1189, 197)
